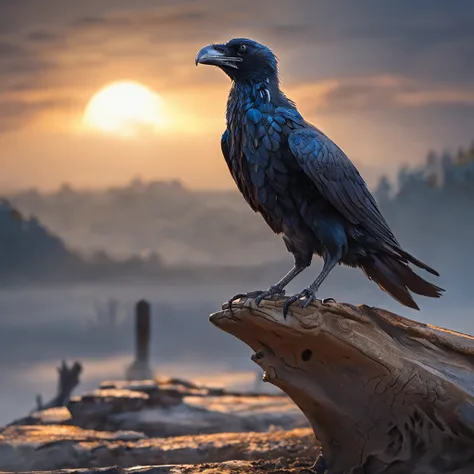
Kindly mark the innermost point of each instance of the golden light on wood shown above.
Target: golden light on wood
(125, 109)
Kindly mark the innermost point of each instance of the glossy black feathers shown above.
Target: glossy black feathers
(308, 190)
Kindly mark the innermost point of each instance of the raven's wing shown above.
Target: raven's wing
(339, 182)
(237, 172)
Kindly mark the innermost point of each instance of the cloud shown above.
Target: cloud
(327, 39)
(43, 36)
(431, 41)
(166, 17)
(22, 111)
(100, 22)
(441, 96)
(380, 93)
(9, 50)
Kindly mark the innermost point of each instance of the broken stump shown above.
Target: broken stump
(140, 367)
(68, 381)
(383, 394)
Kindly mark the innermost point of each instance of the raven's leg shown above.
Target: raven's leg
(308, 295)
(279, 288)
(302, 250)
(275, 290)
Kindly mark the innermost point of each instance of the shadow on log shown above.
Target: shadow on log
(383, 394)
(68, 381)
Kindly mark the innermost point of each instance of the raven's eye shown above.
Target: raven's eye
(242, 48)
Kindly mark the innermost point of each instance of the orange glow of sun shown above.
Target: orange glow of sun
(126, 109)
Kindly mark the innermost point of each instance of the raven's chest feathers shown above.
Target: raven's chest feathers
(255, 146)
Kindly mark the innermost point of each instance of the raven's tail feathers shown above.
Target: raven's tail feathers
(398, 279)
(417, 262)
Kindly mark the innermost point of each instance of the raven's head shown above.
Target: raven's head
(241, 59)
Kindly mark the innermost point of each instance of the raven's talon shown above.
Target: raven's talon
(235, 298)
(269, 294)
(308, 300)
(325, 301)
(258, 295)
(306, 297)
(288, 303)
(259, 299)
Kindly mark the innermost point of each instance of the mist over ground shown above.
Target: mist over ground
(180, 225)
(429, 209)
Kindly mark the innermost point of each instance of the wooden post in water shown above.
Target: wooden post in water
(140, 368)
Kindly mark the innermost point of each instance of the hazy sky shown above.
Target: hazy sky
(386, 79)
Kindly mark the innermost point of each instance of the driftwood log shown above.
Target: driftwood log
(383, 394)
(43, 448)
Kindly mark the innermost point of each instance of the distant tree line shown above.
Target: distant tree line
(29, 251)
(431, 207)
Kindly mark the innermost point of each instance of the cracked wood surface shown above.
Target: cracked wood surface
(384, 394)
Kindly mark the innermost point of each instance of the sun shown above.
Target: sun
(125, 108)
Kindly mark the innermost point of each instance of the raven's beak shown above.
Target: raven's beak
(213, 55)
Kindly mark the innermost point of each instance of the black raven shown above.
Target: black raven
(302, 183)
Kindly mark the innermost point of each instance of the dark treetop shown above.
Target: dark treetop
(302, 183)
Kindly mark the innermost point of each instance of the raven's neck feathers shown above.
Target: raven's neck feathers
(247, 94)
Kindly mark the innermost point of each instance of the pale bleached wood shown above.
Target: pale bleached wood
(383, 394)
